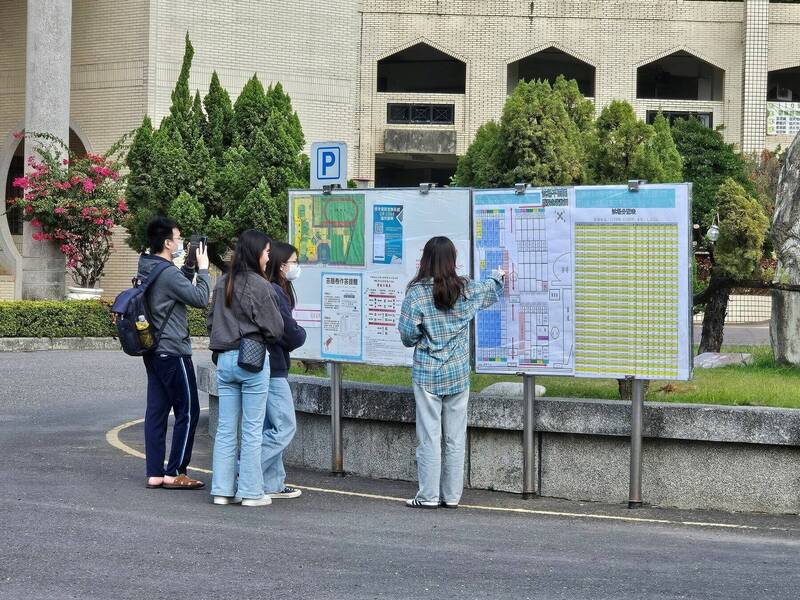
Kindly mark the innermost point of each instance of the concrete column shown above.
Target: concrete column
(47, 95)
(756, 66)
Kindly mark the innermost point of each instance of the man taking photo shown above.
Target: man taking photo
(171, 383)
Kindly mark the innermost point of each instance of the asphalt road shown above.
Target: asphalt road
(76, 522)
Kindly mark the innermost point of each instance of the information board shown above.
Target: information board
(599, 281)
(358, 249)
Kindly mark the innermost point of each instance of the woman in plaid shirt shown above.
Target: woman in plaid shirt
(437, 310)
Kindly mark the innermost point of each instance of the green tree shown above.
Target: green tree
(743, 228)
(481, 166)
(707, 162)
(537, 141)
(663, 144)
(138, 193)
(219, 111)
(218, 170)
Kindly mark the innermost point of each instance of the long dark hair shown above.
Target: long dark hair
(439, 263)
(246, 257)
(279, 255)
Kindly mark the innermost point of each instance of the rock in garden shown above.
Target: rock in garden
(713, 360)
(510, 388)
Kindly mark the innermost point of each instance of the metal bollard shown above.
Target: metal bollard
(337, 458)
(528, 430)
(637, 404)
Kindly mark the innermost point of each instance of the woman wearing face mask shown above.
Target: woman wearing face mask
(280, 424)
(244, 306)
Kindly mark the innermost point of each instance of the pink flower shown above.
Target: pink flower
(104, 171)
(75, 179)
(109, 223)
(122, 206)
(85, 212)
(18, 135)
(38, 236)
(36, 222)
(28, 209)
(98, 221)
(20, 182)
(114, 175)
(88, 185)
(65, 161)
(60, 210)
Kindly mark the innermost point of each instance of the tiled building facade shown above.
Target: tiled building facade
(406, 84)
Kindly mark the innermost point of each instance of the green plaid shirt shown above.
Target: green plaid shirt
(441, 337)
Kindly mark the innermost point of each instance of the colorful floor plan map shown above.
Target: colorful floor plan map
(329, 229)
(528, 236)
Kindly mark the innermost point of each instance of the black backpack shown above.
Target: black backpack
(130, 307)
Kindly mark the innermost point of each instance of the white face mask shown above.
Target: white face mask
(293, 272)
(177, 253)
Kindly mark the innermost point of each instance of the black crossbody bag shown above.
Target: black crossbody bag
(252, 353)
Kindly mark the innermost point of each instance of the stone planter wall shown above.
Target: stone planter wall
(695, 456)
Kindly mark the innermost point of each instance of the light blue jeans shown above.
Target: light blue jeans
(279, 428)
(242, 398)
(441, 437)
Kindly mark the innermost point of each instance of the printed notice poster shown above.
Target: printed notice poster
(387, 234)
(341, 316)
(383, 299)
(308, 316)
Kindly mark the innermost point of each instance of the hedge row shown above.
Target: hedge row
(66, 318)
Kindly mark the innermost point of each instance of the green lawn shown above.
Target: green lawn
(763, 383)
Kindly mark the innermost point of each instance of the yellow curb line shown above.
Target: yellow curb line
(112, 437)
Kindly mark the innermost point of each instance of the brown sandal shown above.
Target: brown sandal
(182, 482)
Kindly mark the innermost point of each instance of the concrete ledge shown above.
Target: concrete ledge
(74, 344)
(695, 456)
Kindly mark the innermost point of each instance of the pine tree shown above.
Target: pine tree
(219, 111)
(542, 143)
(250, 113)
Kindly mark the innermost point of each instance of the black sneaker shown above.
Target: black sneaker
(414, 503)
(286, 492)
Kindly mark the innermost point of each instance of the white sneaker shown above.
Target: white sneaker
(227, 500)
(263, 501)
(286, 492)
(414, 503)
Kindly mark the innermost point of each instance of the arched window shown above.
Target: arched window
(422, 69)
(549, 64)
(680, 76)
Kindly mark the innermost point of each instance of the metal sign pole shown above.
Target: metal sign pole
(528, 430)
(637, 404)
(337, 458)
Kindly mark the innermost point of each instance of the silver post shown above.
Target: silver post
(337, 459)
(637, 403)
(528, 430)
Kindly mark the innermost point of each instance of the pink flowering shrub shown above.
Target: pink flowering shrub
(75, 202)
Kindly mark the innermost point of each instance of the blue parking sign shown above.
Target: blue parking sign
(328, 164)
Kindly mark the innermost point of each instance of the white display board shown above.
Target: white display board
(358, 249)
(599, 281)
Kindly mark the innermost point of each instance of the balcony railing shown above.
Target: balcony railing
(420, 114)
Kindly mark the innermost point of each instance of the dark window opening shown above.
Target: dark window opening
(422, 69)
(549, 64)
(706, 118)
(420, 114)
(784, 85)
(409, 170)
(680, 76)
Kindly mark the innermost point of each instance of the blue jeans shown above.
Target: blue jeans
(279, 428)
(242, 397)
(440, 467)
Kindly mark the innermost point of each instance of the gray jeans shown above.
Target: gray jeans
(441, 436)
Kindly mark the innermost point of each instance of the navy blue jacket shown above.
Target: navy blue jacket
(294, 336)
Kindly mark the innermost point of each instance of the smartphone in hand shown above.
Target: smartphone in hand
(194, 244)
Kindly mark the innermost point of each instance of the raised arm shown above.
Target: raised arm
(410, 320)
